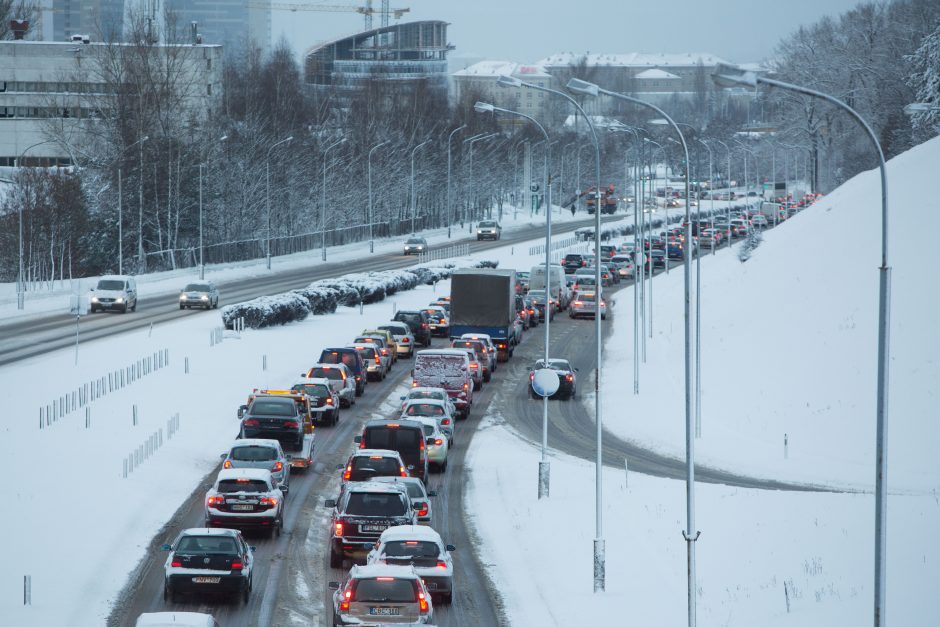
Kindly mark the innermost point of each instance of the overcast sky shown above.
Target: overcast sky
(529, 30)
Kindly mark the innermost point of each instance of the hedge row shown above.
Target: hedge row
(324, 296)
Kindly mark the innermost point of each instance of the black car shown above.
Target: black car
(418, 322)
(208, 561)
(350, 357)
(567, 378)
(572, 262)
(273, 417)
(405, 436)
(360, 515)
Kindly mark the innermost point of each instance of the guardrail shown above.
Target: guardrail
(447, 252)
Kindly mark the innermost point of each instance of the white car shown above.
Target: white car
(403, 337)
(341, 380)
(175, 619)
(376, 364)
(422, 548)
(381, 592)
(442, 411)
(115, 292)
(586, 305)
(490, 346)
(428, 392)
(246, 498)
(439, 447)
(418, 493)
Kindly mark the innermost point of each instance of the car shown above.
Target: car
(353, 360)
(438, 320)
(448, 369)
(422, 548)
(324, 400)
(419, 324)
(440, 409)
(489, 229)
(419, 494)
(405, 436)
(437, 442)
(376, 364)
(415, 245)
(709, 238)
(522, 282)
(608, 276)
(385, 350)
(539, 298)
(203, 294)
(523, 312)
(572, 262)
(246, 498)
(403, 337)
(584, 282)
(659, 258)
(361, 513)
(114, 292)
(379, 592)
(759, 221)
(625, 266)
(273, 417)
(420, 393)
(586, 305)
(479, 347)
(367, 463)
(567, 378)
(608, 251)
(476, 366)
(208, 561)
(390, 342)
(260, 453)
(341, 380)
(533, 311)
(740, 227)
(491, 348)
(175, 619)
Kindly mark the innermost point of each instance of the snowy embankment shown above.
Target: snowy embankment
(788, 346)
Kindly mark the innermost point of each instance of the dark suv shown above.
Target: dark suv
(350, 357)
(572, 262)
(419, 323)
(360, 515)
(405, 436)
(273, 417)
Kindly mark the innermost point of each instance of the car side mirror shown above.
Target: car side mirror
(429, 440)
(166, 547)
(241, 411)
(450, 547)
(432, 493)
(334, 585)
(223, 455)
(411, 467)
(282, 488)
(339, 466)
(357, 439)
(252, 548)
(329, 503)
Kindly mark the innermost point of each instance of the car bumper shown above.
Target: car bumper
(260, 520)
(112, 305)
(437, 585)
(437, 454)
(272, 434)
(227, 583)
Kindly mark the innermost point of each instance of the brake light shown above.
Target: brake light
(424, 509)
(215, 500)
(441, 564)
(270, 501)
(227, 464)
(422, 603)
(578, 303)
(251, 422)
(474, 366)
(446, 421)
(347, 597)
(465, 386)
(291, 424)
(414, 383)
(402, 471)
(569, 377)
(358, 377)
(348, 473)
(424, 325)
(531, 376)
(329, 401)
(338, 530)
(385, 351)
(236, 566)
(278, 466)
(377, 359)
(176, 564)
(438, 442)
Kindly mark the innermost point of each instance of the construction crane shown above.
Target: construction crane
(368, 11)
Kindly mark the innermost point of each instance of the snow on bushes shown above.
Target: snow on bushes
(323, 296)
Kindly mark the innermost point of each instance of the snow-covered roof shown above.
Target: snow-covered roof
(495, 69)
(426, 388)
(174, 619)
(256, 442)
(656, 73)
(410, 532)
(632, 59)
(313, 380)
(256, 474)
(383, 570)
(442, 351)
(427, 401)
(375, 452)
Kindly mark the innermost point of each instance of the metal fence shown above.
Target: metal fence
(447, 252)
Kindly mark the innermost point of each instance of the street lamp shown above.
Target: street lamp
(599, 548)
(727, 76)
(544, 468)
(326, 152)
(690, 535)
(473, 140)
(371, 221)
(450, 209)
(202, 266)
(413, 151)
(698, 298)
(267, 196)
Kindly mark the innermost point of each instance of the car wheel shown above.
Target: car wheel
(477, 386)
(166, 591)
(125, 308)
(335, 417)
(246, 592)
(442, 467)
(603, 316)
(487, 377)
(134, 308)
(336, 559)
(182, 307)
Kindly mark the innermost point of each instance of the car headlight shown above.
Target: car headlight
(94, 299)
(119, 300)
(182, 296)
(204, 297)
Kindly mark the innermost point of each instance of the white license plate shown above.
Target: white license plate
(242, 508)
(431, 586)
(372, 528)
(207, 579)
(384, 611)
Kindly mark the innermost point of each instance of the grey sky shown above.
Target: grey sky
(528, 30)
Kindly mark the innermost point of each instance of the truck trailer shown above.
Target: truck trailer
(483, 301)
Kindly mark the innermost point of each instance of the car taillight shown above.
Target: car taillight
(176, 564)
(531, 376)
(236, 566)
(441, 564)
(404, 340)
(278, 466)
(424, 509)
(437, 442)
(402, 471)
(474, 366)
(227, 464)
(424, 325)
(338, 530)
(270, 501)
(578, 303)
(465, 386)
(414, 383)
(215, 500)
(446, 421)
(347, 597)
(385, 351)
(377, 359)
(291, 424)
(348, 473)
(362, 444)
(329, 401)
(251, 422)
(358, 377)
(422, 603)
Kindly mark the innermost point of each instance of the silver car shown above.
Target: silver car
(380, 592)
(416, 245)
(442, 411)
(341, 380)
(418, 493)
(377, 364)
(585, 304)
(489, 229)
(260, 453)
(203, 294)
(422, 548)
(403, 337)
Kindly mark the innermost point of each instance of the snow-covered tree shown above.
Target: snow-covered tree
(925, 81)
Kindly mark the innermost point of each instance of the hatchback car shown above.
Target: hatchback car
(360, 515)
(418, 493)
(203, 294)
(376, 364)
(379, 593)
(389, 338)
(421, 393)
(480, 349)
(260, 453)
(586, 305)
(404, 339)
(438, 444)
(352, 359)
(567, 378)
(438, 320)
(324, 401)
(415, 245)
(367, 463)
(422, 548)
(341, 380)
(208, 561)
(277, 417)
(246, 498)
(419, 324)
(385, 351)
(441, 410)
(476, 366)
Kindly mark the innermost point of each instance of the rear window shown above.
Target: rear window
(230, 486)
(273, 407)
(586, 297)
(207, 544)
(573, 258)
(412, 548)
(317, 390)
(380, 466)
(394, 329)
(440, 366)
(253, 454)
(338, 357)
(326, 373)
(425, 409)
(385, 590)
(408, 317)
(392, 438)
(367, 353)
(375, 504)
(427, 394)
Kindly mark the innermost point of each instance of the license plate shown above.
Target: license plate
(207, 579)
(384, 611)
(373, 528)
(242, 508)
(431, 585)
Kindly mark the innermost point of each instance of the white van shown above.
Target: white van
(116, 292)
(559, 288)
(175, 619)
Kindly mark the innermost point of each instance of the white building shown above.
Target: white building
(479, 82)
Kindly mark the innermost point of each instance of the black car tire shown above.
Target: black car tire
(335, 417)
(477, 386)
(134, 308)
(182, 307)
(447, 598)
(442, 467)
(246, 592)
(487, 376)
(124, 310)
(336, 559)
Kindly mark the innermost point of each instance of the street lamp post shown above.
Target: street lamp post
(599, 547)
(472, 194)
(450, 210)
(544, 467)
(652, 261)
(326, 152)
(732, 76)
(690, 534)
(698, 301)
(267, 197)
(727, 207)
(371, 220)
(413, 151)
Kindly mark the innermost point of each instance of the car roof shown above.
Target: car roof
(426, 401)
(410, 532)
(425, 420)
(256, 442)
(174, 619)
(381, 422)
(400, 481)
(376, 486)
(310, 380)
(369, 571)
(375, 452)
(326, 367)
(258, 474)
(476, 336)
(397, 323)
(206, 531)
(453, 352)
(427, 388)
(115, 277)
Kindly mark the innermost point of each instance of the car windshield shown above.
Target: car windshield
(230, 486)
(415, 490)
(375, 504)
(415, 241)
(272, 407)
(336, 357)
(408, 317)
(253, 454)
(385, 590)
(110, 285)
(554, 364)
(411, 548)
(424, 409)
(486, 224)
(438, 394)
(196, 287)
(211, 545)
(312, 389)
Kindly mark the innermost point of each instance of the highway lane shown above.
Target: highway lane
(22, 338)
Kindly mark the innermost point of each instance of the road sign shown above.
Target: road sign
(545, 382)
